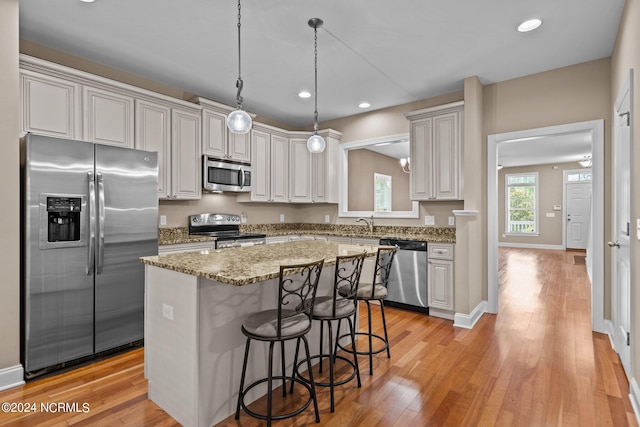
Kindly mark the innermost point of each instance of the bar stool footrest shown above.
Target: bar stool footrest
(305, 384)
(323, 384)
(360, 352)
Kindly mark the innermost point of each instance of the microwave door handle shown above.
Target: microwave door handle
(100, 223)
(241, 177)
(92, 224)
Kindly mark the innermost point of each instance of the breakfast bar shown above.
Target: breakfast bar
(195, 303)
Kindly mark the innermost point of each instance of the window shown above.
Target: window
(522, 203)
(579, 177)
(381, 192)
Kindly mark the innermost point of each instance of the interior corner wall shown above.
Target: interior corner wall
(10, 178)
(626, 56)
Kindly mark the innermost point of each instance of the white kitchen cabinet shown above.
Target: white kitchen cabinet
(339, 239)
(300, 175)
(314, 176)
(153, 133)
(186, 162)
(276, 239)
(440, 277)
(218, 142)
(270, 167)
(365, 241)
(435, 152)
(108, 117)
(50, 106)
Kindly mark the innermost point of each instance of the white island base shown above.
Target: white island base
(194, 346)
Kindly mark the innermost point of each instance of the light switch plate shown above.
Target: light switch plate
(429, 220)
(551, 214)
(327, 218)
(163, 220)
(452, 220)
(281, 217)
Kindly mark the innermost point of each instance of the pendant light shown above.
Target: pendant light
(239, 121)
(316, 143)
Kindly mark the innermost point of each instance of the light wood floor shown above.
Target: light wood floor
(537, 363)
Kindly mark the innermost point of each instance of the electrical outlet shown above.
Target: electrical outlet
(327, 218)
(429, 220)
(163, 220)
(167, 311)
(281, 217)
(452, 220)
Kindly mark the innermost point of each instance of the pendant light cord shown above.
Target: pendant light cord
(239, 82)
(315, 52)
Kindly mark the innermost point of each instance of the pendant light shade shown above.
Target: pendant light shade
(239, 121)
(316, 143)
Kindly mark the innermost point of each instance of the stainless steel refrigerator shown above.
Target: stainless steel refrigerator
(89, 212)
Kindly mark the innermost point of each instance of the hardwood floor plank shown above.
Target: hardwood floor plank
(536, 363)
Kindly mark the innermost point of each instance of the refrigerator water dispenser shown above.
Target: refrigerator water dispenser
(63, 219)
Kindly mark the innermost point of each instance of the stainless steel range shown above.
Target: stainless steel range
(225, 228)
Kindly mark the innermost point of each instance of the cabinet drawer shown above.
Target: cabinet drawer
(441, 250)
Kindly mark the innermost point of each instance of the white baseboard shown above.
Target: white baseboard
(634, 396)
(467, 321)
(530, 246)
(608, 329)
(12, 376)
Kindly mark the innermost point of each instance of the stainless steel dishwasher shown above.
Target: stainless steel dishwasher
(408, 278)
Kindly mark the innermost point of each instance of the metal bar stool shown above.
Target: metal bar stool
(291, 320)
(341, 304)
(375, 291)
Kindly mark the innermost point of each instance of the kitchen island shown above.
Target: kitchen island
(195, 304)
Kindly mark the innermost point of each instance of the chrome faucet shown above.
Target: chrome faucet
(369, 223)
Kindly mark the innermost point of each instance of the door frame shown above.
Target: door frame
(564, 200)
(596, 128)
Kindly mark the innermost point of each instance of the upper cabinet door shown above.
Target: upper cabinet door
(300, 172)
(186, 165)
(50, 106)
(108, 117)
(239, 147)
(260, 166)
(421, 155)
(214, 134)
(279, 169)
(153, 133)
(446, 153)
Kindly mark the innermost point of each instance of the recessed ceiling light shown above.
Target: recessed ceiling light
(529, 25)
(364, 105)
(87, 1)
(304, 94)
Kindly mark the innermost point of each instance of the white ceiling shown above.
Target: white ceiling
(559, 148)
(384, 52)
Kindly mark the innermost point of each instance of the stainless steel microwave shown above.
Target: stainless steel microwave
(226, 175)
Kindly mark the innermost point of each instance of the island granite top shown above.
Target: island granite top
(251, 264)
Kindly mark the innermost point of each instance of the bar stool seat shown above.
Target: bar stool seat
(291, 320)
(376, 291)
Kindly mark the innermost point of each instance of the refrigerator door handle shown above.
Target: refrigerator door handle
(92, 224)
(100, 222)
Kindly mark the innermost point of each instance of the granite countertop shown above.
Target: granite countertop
(245, 265)
(178, 235)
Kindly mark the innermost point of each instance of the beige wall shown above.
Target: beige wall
(10, 178)
(550, 186)
(626, 56)
(363, 164)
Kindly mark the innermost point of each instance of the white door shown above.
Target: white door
(621, 233)
(578, 214)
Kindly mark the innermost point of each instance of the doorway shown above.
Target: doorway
(596, 130)
(577, 208)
